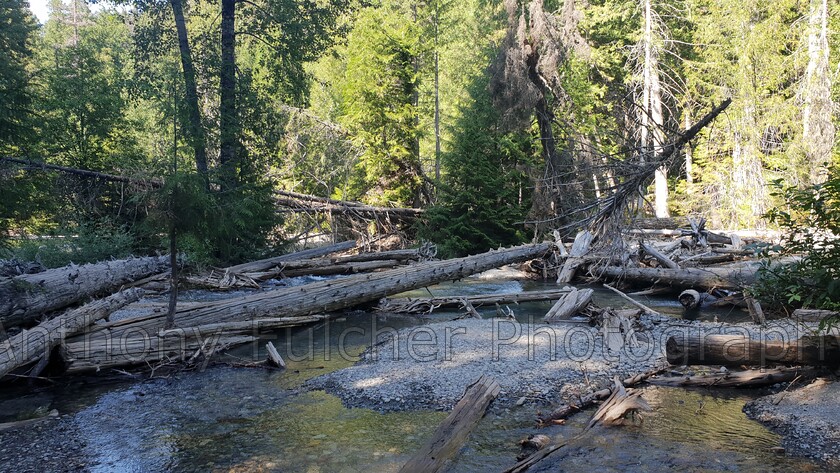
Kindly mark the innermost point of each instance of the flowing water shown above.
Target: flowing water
(248, 419)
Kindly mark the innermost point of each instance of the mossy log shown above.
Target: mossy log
(23, 299)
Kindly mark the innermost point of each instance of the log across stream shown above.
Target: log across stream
(252, 418)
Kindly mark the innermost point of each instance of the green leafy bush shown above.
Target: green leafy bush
(810, 223)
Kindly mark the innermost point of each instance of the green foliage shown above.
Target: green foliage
(17, 28)
(485, 196)
(811, 225)
(87, 243)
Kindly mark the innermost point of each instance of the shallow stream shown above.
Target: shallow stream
(249, 419)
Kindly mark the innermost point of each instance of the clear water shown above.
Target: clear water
(247, 419)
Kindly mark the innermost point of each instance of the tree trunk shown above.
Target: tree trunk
(195, 130)
(410, 305)
(124, 341)
(737, 350)
(29, 345)
(24, 298)
(738, 379)
(652, 118)
(268, 263)
(454, 430)
(817, 126)
(228, 122)
(687, 278)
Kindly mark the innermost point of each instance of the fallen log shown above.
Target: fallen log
(737, 350)
(454, 430)
(737, 379)
(665, 261)
(297, 202)
(813, 315)
(52, 415)
(324, 268)
(617, 406)
(687, 278)
(427, 305)
(29, 345)
(588, 400)
(569, 305)
(268, 263)
(24, 298)
(106, 340)
(274, 358)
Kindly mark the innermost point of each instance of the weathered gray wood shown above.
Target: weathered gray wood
(813, 315)
(428, 304)
(268, 263)
(658, 256)
(274, 358)
(737, 379)
(24, 298)
(737, 350)
(632, 301)
(755, 310)
(706, 278)
(583, 240)
(454, 430)
(690, 299)
(30, 345)
(569, 305)
(309, 299)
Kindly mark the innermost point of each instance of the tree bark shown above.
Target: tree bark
(30, 345)
(454, 430)
(24, 298)
(687, 278)
(195, 130)
(410, 305)
(228, 122)
(268, 263)
(736, 350)
(817, 128)
(738, 379)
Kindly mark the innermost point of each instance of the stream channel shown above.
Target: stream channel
(248, 419)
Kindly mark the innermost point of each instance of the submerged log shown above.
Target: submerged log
(24, 298)
(707, 278)
(737, 350)
(411, 305)
(453, 431)
(737, 379)
(106, 340)
(30, 345)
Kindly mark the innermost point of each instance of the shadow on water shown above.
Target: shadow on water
(240, 419)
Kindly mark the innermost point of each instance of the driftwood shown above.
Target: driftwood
(658, 256)
(706, 278)
(274, 358)
(427, 305)
(105, 343)
(690, 299)
(583, 241)
(632, 301)
(268, 263)
(52, 415)
(617, 406)
(569, 305)
(737, 379)
(29, 345)
(755, 310)
(813, 315)
(737, 350)
(24, 298)
(454, 430)
(588, 400)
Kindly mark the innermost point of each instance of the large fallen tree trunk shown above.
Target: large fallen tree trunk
(737, 350)
(24, 298)
(421, 305)
(687, 278)
(30, 345)
(106, 340)
(454, 430)
(737, 379)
